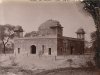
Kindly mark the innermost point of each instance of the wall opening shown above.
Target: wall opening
(33, 49)
(71, 52)
(49, 51)
(18, 50)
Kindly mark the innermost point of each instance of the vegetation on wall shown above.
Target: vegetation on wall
(31, 34)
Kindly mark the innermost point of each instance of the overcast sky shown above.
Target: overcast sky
(31, 15)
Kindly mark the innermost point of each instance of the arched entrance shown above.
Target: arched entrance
(33, 49)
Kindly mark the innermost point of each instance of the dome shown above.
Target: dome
(80, 31)
(48, 24)
(18, 28)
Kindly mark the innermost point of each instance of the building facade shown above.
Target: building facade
(49, 40)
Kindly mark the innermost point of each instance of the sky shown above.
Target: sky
(31, 15)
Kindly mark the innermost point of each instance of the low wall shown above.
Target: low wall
(48, 61)
(85, 57)
(77, 60)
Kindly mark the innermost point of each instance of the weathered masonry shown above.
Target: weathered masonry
(49, 40)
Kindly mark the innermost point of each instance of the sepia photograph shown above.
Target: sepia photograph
(49, 37)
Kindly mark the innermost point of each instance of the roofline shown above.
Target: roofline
(71, 38)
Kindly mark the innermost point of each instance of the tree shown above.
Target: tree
(93, 41)
(93, 37)
(93, 8)
(31, 34)
(6, 33)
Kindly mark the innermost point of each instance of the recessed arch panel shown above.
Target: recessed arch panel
(33, 49)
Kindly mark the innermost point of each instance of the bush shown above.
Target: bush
(13, 63)
(90, 64)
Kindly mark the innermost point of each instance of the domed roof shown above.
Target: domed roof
(48, 24)
(18, 28)
(80, 31)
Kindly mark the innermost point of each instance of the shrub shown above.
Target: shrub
(13, 63)
(90, 64)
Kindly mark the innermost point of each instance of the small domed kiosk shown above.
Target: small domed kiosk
(80, 33)
(18, 31)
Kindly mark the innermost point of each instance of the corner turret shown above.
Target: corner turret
(18, 31)
(81, 34)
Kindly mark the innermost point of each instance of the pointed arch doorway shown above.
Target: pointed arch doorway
(33, 49)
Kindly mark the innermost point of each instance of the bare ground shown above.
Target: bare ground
(60, 71)
(14, 71)
(71, 71)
